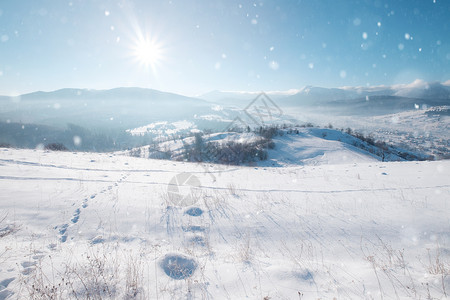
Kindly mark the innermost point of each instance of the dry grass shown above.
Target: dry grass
(394, 273)
(7, 229)
(98, 275)
(438, 266)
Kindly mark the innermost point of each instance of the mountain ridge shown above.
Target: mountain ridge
(417, 89)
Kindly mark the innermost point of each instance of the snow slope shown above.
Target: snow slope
(111, 226)
(293, 147)
(425, 131)
(313, 146)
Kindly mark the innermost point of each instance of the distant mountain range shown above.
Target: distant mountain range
(119, 108)
(128, 108)
(374, 100)
(418, 89)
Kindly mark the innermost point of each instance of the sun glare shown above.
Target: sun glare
(148, 53)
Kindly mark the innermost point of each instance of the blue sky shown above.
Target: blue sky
(199, 46)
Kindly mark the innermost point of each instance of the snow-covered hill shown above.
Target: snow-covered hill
(426, 131)
(291, 147)
(314, 146)
(100, 225)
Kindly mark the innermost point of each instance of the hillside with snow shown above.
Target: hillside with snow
(87, 225)
(288, 147)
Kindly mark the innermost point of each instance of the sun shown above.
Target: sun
(148, 52)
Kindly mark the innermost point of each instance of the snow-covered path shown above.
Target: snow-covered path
(360, 230)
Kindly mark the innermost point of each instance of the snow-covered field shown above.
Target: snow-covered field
(80, 225)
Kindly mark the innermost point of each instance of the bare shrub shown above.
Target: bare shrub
(5, 145)
(98, 275)
(7, 229)
(232, 189)
(437, 266)
(56, 147)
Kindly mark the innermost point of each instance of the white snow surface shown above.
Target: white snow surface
(316, 147)
(105, 223)
(163, 128)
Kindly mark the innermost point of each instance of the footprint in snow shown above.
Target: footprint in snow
(28, 267)
(194, 212)
(27, 264)
(4, 283)
(193, 228)
(37, 257)
(76, 216)
(62, 229)
(97, 240)
(178, 267)
(63, 232)
(4, 294)
(197, 240)
(304, 275)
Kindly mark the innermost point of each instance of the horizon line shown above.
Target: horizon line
(417, 83)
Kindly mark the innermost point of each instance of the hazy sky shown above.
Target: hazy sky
(191, 47)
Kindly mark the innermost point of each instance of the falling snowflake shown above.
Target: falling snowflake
(76, 140)
(274, 65)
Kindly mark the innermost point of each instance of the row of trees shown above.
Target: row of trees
(230, 152)
(383, 149)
